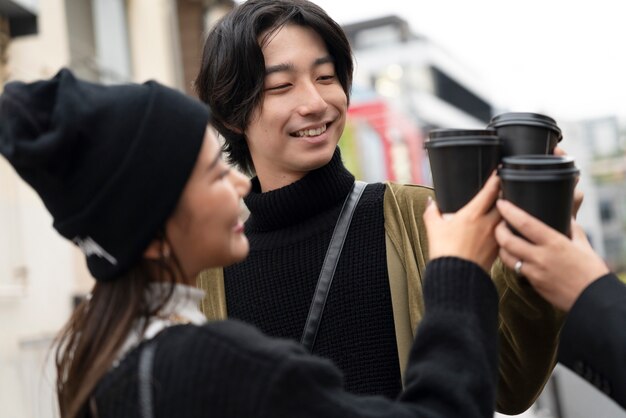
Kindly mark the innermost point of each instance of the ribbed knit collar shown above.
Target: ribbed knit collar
(316, 192)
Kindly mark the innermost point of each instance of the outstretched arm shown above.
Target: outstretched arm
(452, 367)
(529, 329)
(571, 276)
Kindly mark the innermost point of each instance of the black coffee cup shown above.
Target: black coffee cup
(543, 186)
(525, 133)
(461, 161)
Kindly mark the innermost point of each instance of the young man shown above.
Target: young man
(277, 75)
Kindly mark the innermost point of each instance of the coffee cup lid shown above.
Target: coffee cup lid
(448, 133)
(538, 167)
(525, 118)
(461, 137)
(538, 162)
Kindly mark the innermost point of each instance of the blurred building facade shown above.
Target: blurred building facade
(599, 148)
(607, 138)
(41, 275)
(436, 89)
(406, 85)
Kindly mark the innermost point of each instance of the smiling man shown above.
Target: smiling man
(296, 127)
(277, 75)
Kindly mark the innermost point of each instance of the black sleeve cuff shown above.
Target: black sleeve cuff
(452, 283)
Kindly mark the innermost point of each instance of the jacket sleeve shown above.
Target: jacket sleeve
(214, 303)
(593, 341)
(528, 341)
(528, 326)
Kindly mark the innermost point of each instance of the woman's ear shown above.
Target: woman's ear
(158, 249)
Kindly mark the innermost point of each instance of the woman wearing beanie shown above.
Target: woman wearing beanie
(132, 176)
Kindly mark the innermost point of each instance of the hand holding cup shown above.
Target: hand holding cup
(468, 233)
(558, 268)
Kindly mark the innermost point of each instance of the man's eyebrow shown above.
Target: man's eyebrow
(323, 60)
(290, 67)
(279, 68)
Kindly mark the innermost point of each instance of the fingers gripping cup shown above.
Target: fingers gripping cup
(460, 162)
(525, 133)
(543, 186)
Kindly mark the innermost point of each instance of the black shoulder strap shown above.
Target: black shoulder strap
(146, 360)
(330, 264)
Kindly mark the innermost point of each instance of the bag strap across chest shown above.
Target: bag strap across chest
(325, 279)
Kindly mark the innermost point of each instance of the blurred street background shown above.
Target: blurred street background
(420, 65)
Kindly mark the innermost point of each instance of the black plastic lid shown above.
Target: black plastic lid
(448, 133)
(524, 118)
(538, 162)
(539, 167)
(461, 137)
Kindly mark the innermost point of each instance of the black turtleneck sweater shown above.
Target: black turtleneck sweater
(289, 231)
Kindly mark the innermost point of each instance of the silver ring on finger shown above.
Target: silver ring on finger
(517, 268)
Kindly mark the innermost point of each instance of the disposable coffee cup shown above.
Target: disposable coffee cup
(461, 161)
(543, 186)
(525, 133)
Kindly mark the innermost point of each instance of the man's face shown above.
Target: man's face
(298, 124)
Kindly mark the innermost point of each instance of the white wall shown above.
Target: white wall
(38, 312)
(31, 314)
(151, 27)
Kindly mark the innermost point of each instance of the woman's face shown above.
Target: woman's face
(205, 229)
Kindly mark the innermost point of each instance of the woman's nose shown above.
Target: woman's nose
(241, 182)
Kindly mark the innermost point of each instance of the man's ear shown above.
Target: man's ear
(157, 249)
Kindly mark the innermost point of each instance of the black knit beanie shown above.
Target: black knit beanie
(109, 162)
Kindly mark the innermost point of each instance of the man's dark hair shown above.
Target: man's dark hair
(232, 74)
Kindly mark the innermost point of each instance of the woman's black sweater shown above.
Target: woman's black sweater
(229, 369)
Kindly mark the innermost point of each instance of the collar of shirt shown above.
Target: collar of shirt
(183, 307)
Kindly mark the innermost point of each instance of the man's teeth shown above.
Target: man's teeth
(311, 132)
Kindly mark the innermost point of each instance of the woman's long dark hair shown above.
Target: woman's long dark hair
(89, 342)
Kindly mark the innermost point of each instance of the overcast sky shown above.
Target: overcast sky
(566, 58)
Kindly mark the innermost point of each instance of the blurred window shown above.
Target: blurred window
(607, 212)
(452, 92)
(377, 37)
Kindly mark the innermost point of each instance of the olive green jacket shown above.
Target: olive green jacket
(528, 326)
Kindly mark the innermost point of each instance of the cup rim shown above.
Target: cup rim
(444, 133)
(464, 142)
(537, 176)
(525, 118)
(538, 167)
(445, 137)
(536, 161)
